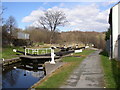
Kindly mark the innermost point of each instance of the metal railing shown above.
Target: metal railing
(41, 51)
(37, 51)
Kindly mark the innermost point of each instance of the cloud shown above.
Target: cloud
(81, 17)
(33, 16)
(109, 2)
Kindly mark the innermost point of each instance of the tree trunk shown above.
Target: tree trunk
(51, 37)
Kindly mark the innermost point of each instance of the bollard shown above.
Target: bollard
(52, 56)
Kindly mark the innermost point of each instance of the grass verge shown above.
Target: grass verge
(7, 52)
(111, 71)
(59, 77)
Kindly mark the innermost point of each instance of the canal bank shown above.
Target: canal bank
(10, 61)
(22, 74)
(50, 69)
(27, 71)
(32, 72)
(57, 78)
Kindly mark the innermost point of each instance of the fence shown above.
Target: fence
(41, 51)
(108, 46)
(37, 51)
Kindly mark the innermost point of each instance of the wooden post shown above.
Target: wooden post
(37, 51)
(46, 50)
(3, 60)
(52, 56)
(32, 51)
(25, 51)
(28, 50)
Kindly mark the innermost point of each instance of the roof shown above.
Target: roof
(116, 4)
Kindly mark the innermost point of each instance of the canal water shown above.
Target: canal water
(22, 74)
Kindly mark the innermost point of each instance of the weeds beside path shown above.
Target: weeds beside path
(111, 71)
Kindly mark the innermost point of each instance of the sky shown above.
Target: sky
(82, 16)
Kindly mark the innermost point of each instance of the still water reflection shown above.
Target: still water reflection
(22, 74)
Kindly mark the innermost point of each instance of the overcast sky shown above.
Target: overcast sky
(83, 16)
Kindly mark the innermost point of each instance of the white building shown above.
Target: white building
(22, 35)
(114, 21)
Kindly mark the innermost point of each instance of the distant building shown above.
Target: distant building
(22, 39)
(114, 21)
(22, 35)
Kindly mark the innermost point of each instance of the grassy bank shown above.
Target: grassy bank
(7, 52)
(59, 77)
(111, 71)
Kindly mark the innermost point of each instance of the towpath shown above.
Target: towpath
(89, 74)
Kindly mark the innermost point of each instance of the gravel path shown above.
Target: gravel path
(89, 74)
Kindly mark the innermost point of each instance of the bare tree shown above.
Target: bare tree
(72, 37)
(51, 20)
(10, 27)
(1, 13)
(11, 24)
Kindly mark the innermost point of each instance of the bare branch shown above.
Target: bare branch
(11, 24)
(51, 20)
